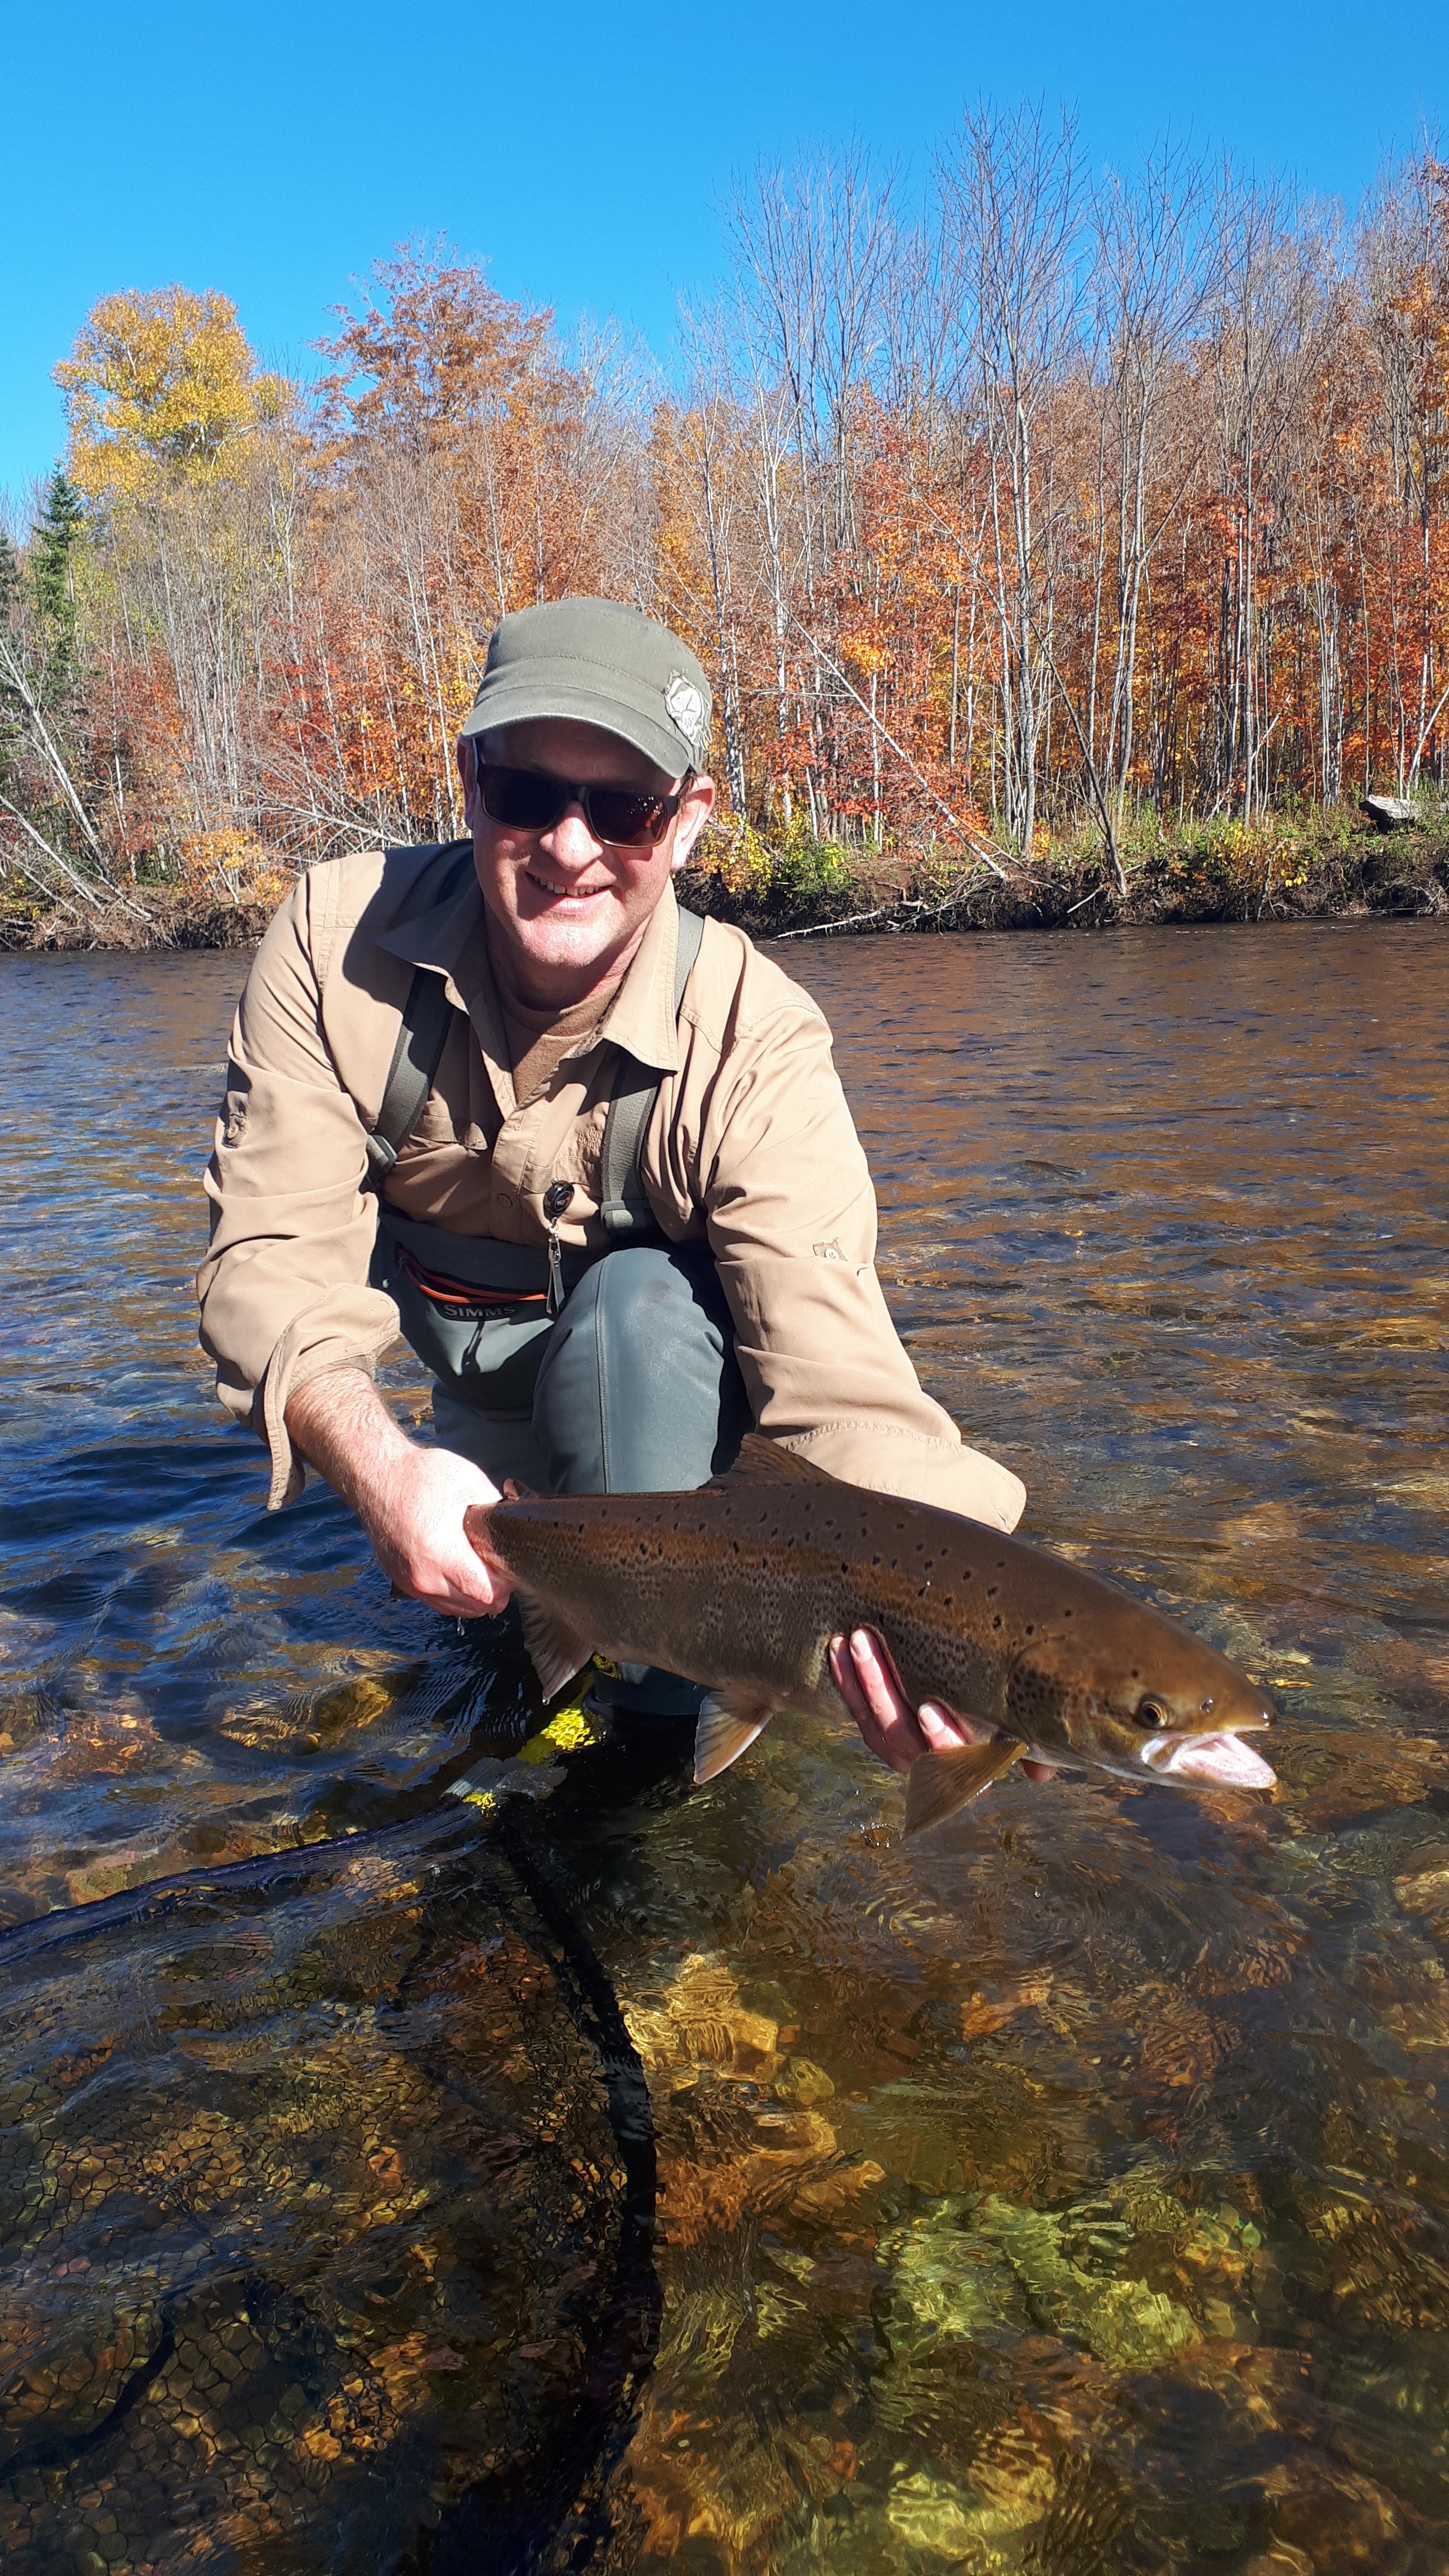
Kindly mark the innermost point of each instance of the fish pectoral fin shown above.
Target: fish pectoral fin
(557, 1650)
(938, 1783)
(764, 1462)
(730, 1718)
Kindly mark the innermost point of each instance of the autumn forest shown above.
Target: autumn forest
(1041, 519)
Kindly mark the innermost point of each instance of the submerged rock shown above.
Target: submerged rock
(309, 2202)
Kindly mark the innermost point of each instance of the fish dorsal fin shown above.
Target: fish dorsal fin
(729, 1719)
(938, 1783)
(764, 1462)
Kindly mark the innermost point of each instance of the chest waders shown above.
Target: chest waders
(477, 1312)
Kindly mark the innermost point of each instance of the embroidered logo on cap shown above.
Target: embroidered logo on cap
(684, 705)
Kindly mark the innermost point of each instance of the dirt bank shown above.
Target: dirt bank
(1337, 868)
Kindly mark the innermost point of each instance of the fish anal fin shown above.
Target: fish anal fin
(764, 1462)
(938, 1783)
(730, 1719)
(556, 1650)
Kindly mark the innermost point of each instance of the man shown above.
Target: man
(508, 1004)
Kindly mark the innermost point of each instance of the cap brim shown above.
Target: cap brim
(510, 700)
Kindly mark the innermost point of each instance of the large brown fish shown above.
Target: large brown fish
(742, 1584)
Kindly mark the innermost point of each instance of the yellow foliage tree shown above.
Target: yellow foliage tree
(160, 386)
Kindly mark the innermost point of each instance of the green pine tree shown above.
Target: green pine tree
(56, 535)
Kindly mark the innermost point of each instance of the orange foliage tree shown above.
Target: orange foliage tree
(1048, 498)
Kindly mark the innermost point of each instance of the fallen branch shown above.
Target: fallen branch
(1099, 797)
(889, 913)
(98, 902)
(87, 893)
(974, 846)
(1440, 705)
(14, 678)
(42, 885)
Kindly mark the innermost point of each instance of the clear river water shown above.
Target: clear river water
(598, 2173)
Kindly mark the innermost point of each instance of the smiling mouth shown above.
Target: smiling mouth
(564, 893)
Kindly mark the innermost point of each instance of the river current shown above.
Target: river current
(1065, 2191)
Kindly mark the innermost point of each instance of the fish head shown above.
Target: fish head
(1124, 1690)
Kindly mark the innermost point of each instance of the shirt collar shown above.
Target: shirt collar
(641, 1017)
(452, 937)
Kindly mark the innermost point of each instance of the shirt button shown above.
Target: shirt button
(505, 1198)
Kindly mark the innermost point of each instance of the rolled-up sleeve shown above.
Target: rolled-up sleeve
(283, 1288)
(791, 1218)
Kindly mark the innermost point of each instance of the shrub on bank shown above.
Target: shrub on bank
(218, 890)
(1205, 868)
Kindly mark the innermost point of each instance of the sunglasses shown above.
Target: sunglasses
(528, 800)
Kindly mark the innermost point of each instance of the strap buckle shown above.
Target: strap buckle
(555, 1205)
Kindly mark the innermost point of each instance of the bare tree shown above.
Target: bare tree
(1010, 210)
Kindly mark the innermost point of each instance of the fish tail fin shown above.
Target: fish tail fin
(730, 1719)
(938, 1783)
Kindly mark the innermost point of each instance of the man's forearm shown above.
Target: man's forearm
(345, 1430)
(409, 1496)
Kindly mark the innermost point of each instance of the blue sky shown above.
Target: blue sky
(274, 151)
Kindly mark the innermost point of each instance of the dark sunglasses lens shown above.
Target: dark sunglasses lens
(629, 820)
(522, 799)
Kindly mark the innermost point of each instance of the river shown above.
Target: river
(1065, 2191)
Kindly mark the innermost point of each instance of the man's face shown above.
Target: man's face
(572, 909)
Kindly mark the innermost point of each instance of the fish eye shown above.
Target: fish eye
(1150, 1712)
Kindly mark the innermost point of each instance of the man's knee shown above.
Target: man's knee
(639, 1390)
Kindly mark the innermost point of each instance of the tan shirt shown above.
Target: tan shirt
(750, 1147)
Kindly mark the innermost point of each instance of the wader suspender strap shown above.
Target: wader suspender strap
(622, 1203)
(427, 1016)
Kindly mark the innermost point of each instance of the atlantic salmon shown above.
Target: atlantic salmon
(741, 1584)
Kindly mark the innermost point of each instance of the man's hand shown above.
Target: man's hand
(409, 1499)
(866, 1680)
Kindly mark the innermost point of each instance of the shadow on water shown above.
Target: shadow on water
(1065, 2192)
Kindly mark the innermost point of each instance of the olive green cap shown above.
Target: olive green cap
(600, 663)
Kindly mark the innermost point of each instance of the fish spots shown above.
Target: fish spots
(991, 1591)
(996, 1622)
(1030, 1629)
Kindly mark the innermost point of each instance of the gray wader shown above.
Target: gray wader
(581, 1373)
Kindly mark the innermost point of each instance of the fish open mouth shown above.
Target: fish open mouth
(1222, 1761)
